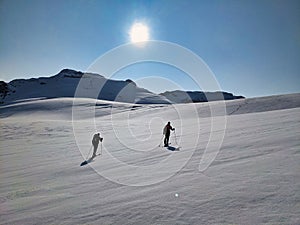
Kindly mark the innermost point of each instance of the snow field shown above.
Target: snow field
(253, 180)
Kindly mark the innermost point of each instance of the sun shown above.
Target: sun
(139, 32)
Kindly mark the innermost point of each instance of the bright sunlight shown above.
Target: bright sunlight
(139, 33)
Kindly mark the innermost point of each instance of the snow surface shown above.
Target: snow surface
(254, 179)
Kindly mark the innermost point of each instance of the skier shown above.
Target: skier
(95, 143)
(166, 132)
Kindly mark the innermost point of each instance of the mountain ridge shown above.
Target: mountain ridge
(66, 82)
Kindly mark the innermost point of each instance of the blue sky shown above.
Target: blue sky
(252, 46)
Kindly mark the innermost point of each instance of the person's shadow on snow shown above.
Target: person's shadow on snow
(88, 161)
(171, 148)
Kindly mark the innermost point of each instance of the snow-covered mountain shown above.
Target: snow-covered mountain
(66, 83)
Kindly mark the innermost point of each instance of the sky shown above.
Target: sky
(252, 47)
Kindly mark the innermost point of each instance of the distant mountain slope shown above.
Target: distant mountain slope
(57, 108)
(66, 82)
(198, 96)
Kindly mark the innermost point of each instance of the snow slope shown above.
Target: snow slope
(254, 179)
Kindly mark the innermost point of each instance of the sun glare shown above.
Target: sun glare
(139, 33)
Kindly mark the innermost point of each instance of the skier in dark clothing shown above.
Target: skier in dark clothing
(95, 143)
(166, 132)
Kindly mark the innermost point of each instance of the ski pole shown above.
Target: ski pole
(161, 140)
(175, 137)
(89, 152)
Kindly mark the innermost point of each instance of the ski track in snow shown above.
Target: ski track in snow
(254, 179)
